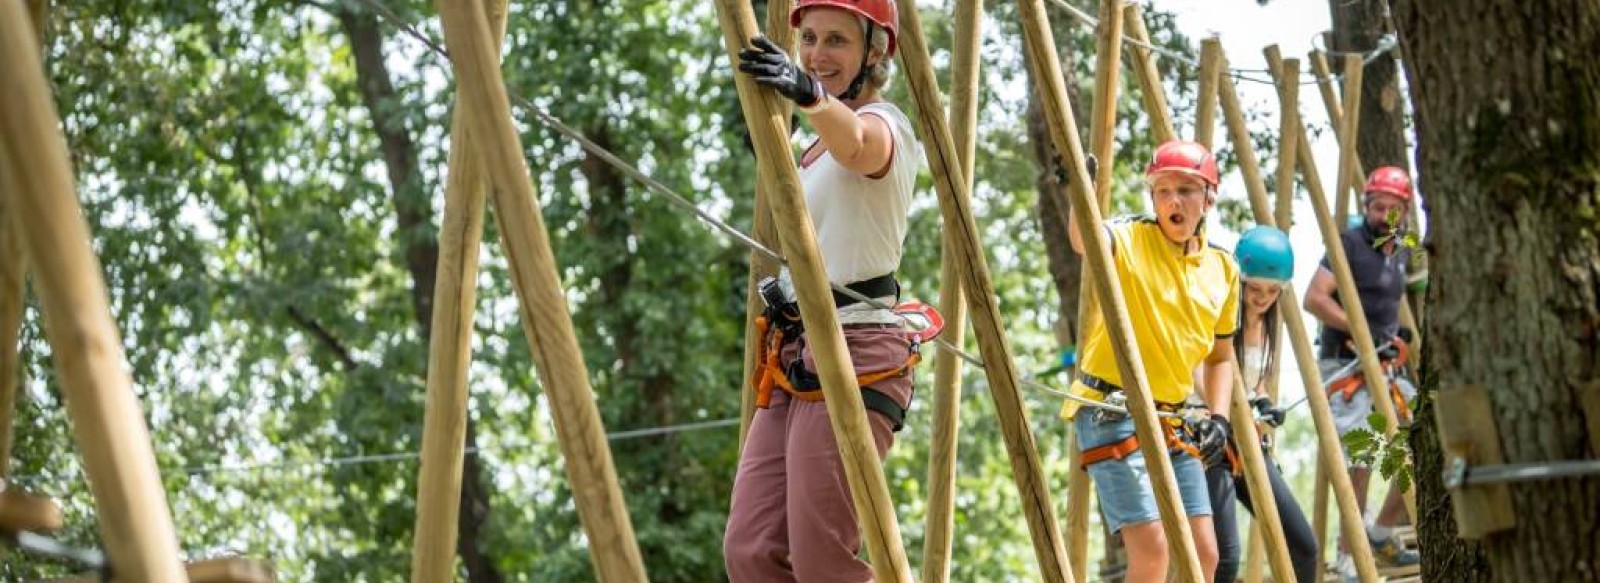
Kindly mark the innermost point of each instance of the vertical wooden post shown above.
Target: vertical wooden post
(12, 290)
(987, 327)
(765, 117)
(1319, 64)
(940, 527)
(1039, 42)
(1267, 519)
(444, 420)
(1319, 511)
(107, 419)
(1299, 337)
(1254, 554)
(763, 231)
(1349, 174)
(1330, 102)
(1205, 116)
(1288, 145)
(13, 276)
(1102, 131)
(1151, 92)
(545, 319)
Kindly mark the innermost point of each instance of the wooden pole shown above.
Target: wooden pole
(545, 319)
(12, 290)
(1319, 511)
(940, 524)
(863, 470)
(1254, 555)
(1289, 129)
(1205, 116)
(956, 209)
(1102, 131)
(444, 420)
(107, 418)
(1349, 174)
(1330, 102)
(1299, 337)
(763, 231)
(13, 277)
(1145, 72)
(1267, 518)
(1319, 64)
(1039, 42)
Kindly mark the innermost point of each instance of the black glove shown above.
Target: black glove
(772, 67)
(1062, 176)
(1212, 436)
(1266, 411)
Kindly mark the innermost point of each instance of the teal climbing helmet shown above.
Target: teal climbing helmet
(1264, 253)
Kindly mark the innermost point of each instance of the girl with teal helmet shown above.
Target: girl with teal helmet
(1264, 253)
(1267, 264)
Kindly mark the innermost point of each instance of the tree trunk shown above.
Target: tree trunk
(1380, 139)
(419, 241)
(1508, 112)
(1064, 264)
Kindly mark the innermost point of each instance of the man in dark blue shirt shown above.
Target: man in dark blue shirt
(1378, 264)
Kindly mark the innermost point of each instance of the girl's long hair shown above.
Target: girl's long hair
(1270, 331)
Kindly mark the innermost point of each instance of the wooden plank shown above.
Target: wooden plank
(107, 419)
(1289, 130)
(1468, 431)
(765, 117)
(940, 523)
(546, 322)
(444, 419)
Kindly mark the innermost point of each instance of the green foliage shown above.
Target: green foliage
(1370, 445)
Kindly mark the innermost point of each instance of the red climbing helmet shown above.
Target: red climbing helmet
(881, 12)
(1389, 180)
(1184, 157)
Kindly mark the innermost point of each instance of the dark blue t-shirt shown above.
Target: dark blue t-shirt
(1381, 283)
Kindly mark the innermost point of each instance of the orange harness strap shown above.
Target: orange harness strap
(1122, 449)
(770, 374)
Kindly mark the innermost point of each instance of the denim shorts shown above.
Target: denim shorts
(1126, 496)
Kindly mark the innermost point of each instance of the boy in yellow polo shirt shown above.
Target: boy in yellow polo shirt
(1183, 303)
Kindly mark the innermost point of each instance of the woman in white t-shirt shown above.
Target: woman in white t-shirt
(792, 517)
(1266, 263)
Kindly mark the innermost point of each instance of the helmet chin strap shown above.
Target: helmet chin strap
(854, 90)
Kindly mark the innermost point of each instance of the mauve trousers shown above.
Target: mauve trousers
(792, 517)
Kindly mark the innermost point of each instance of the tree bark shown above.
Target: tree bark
(1380, 139)
(419, 242)
(1064, 265)
(1508, 117)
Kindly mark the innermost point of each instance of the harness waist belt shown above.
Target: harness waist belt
(875, 287)
(1107, 387)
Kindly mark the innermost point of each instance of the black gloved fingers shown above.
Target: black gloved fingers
(766, 45)
(1093, 164)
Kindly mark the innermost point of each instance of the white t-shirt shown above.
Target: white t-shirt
(860, 221)
(1252, 359)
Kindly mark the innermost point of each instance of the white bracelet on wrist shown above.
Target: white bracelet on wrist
(817, 107)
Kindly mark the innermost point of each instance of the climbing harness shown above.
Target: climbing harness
(1393, 359)
(780, 324)
(1102, 391)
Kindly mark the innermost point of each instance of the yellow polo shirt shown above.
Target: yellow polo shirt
(1179, 305)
